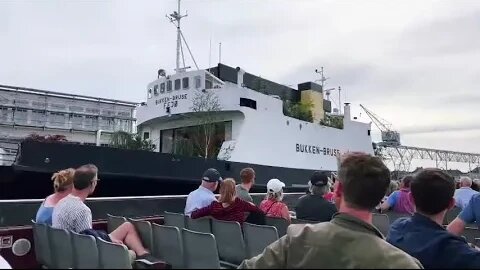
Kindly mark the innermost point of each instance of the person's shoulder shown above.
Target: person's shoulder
(303, 197)
(401, 222)
(476, 198)
(399, 259)
(395, 193)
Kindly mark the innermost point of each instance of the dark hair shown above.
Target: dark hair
(475, 186)
(365, 180)
(84, 176)
(247, 175)
(406, 181)
(432, 190)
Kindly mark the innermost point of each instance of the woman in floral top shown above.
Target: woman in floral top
(273, 206)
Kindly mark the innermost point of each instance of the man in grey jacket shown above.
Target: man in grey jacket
(349, 240)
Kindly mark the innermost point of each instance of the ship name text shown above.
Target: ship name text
(317, 150)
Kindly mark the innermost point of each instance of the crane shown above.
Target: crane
(390, 137)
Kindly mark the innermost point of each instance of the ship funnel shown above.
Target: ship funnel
(346, 111)
(240, 73)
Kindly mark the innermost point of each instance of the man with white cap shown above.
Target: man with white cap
(203, 196)
(273, 206)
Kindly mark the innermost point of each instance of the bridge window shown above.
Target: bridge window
(155, 89)
(169, 86)
(246, 102)
(162, 87)
(186, 82)
(150, 93)
(208, 82)
(198, 82)
(177, 84)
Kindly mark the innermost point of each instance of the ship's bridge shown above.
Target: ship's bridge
(176, 96)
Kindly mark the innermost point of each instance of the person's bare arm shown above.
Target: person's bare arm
(456, 226)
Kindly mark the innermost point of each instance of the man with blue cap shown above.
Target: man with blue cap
(203, 196)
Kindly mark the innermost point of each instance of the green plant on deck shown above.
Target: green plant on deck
(125, 140)
(299, 110)
(334, 121)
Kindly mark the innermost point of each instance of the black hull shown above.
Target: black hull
(127, 172)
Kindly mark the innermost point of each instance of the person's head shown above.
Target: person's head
(227, 191)
(63, 180)
(247, 175)
(432, 191)
(466, 181)
(392, 187)
(211, 178)
(476, 185)
(275, 189)
(362, 182)
(405, 183)
(319, 183)
(85, 178)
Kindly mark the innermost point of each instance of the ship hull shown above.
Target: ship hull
(130, 173)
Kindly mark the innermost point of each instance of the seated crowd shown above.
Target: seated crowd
(339, 211)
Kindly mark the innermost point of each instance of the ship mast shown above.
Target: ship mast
(175, 18)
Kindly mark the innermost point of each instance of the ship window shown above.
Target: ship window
(198, 82)
(162, 87)
(246, 102)
(208, 82)
(186, 82)
(146, 135)
(169, 86)
(150, 93)
(166, 141)
(155, 89)
(369, 132)
(177, 84)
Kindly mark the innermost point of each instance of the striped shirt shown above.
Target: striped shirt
(72, 214)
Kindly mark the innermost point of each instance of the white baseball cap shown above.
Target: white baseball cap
(275, 185)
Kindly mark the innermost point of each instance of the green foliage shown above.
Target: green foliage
(46, 138)
(125, 140)
(334, 121)
(300, 110)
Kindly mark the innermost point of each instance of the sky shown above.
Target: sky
(413, 63)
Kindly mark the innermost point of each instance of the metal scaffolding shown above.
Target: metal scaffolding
(401, 156)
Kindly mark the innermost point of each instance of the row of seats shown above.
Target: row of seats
(231, 242)
(203, 225)
(61, 249)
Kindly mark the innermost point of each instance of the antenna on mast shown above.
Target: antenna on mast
(175, 18)
(322, 79)
(219, 52)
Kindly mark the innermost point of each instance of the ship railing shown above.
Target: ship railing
(126, 198)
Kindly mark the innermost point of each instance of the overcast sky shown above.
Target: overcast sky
(415, 63)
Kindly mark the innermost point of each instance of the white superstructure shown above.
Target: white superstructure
(248, 112)
(255, 128)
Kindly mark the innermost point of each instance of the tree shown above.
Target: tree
(335, 121)
(205, 105)
(125, 140)
(300, 110)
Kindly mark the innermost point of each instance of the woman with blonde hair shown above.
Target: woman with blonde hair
(62, 185)
(228, 207)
